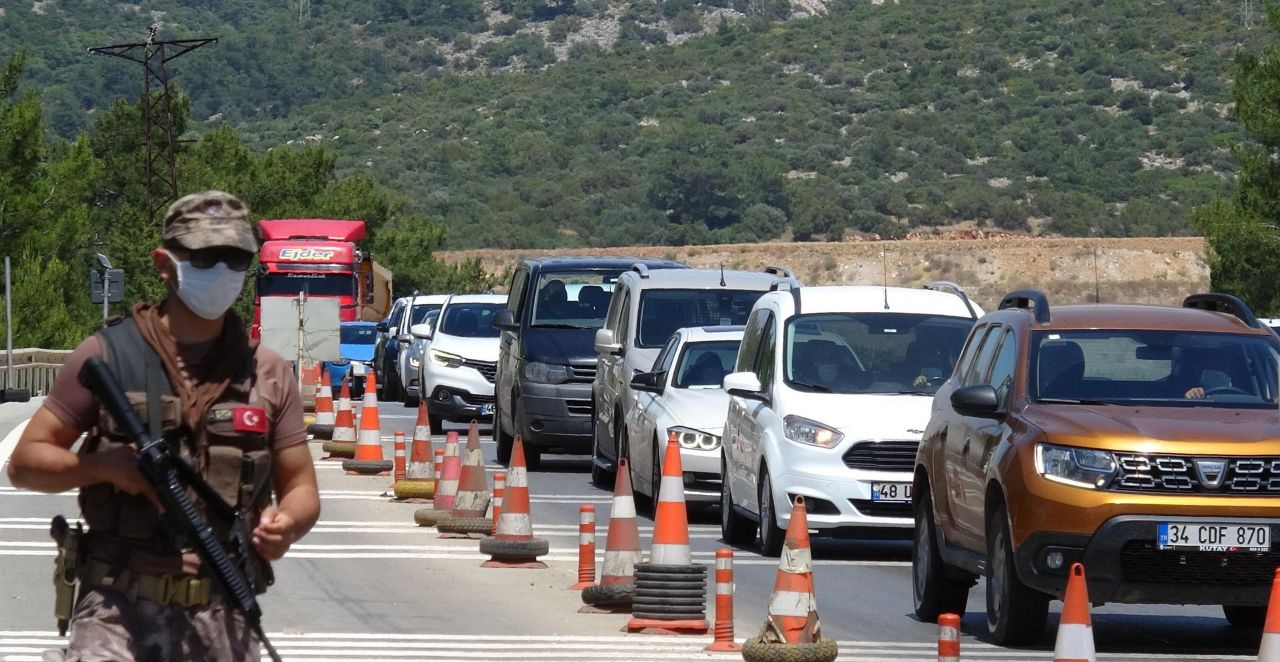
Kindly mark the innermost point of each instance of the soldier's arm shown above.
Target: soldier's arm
(298, 507)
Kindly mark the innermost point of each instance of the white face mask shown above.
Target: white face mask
(208, 292)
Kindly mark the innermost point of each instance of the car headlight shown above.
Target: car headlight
(446, 359)
(1081, 467)
(414, 361)
(805, 431)
(694, 439)
(547, 373)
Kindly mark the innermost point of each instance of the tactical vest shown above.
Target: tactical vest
(229, 451)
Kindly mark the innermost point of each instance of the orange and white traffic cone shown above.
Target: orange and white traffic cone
(621, 552)
(343, 443)
(1269, 651)
(438, 462)
(586, 547)
(670, 558)
(724, 604)
(307, 386)
(948, 638)
(1075, 631)
(499, 486)
(793, 608)
(420, 467)
(368, 460)
(325, 419)
(471, 501)
(399, 472)
(513, 545)
(450, 472)
(414, 478)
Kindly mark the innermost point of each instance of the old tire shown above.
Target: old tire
(668, 616)
(367, 466)
(15, 395)
(934, 589)
(415, 489)
(608, 595)
(429, 516)
(756, 650)
(663, 604)
(465, 525)
(339, 448)
(514, 549)
(1016, 613)
(660, 587)
(670, 569)
(1250, 617)
(320, 431)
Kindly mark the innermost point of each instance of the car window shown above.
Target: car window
(704, 364)
(420, 310)
(751, 341)
(572, 299)
(664, 358)
(624, 318)
(470, 320)
(768, 353)
(872, 352)
(1155, 368)
(357, 335)
(664, 311)
(397, 314)
(1003, 369)
(977, 368)
(515, 295)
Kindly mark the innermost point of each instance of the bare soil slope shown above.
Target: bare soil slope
(1144, 270)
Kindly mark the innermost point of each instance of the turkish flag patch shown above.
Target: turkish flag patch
(249, 419)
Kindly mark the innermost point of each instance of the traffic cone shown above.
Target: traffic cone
(420, 467)
(948, 638)
(724, 604)
(438, 463)
(586, 547)
(447, 482)
(343, 442)
(499, 486)
(368, 458)
(473, 490)
(323, 427)
(397, 448)
(307, 386)
(621, 552)
(670, 519)
(1075, 632)
(793, 608)
(1269, 651)
(513, 545)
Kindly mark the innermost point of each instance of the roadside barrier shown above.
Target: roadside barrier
(586, 547)
(368, 458)
(343, 442)
(34, 370)
(323, 427)
(671, 592)
(513, 544)
(1075, 630)
(499, 485)
(948, 638)
(724, 604)
(1269, 650)
(617, 587)
(471, 501)
(792, 630)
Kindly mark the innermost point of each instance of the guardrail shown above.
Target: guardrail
(33, 369)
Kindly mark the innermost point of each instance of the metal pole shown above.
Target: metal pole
(8, 323)
(106, 291)
(302, 336)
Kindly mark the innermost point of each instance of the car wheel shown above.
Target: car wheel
(391, 390)
(933, 592)
(532, 457)
(734, 528)
(600, 476)
(655, 475)
(1016, 613)
(437, 425)
(1245, 616)
(502, 438)
(771, 535)
(410, 400)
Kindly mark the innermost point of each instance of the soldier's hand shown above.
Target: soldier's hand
(274, 534)
(119, 466)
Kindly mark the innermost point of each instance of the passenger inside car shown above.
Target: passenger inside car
(828, 366)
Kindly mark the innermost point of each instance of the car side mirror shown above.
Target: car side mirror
(381, 327)
(503, 320)
(649, 382)
(744, 385)
(979, 400)
(405, 337)
(424, 330)
(606, 343)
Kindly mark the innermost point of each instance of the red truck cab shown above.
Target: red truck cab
(316, 256)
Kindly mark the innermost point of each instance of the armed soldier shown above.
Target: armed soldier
(224, 405)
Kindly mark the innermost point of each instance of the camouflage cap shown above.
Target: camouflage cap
(210, 219)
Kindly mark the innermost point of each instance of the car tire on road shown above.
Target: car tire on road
(600, 476)
(503, 440)
(756, 649)
(933, 592)
(410, 402)
(771, 535)
(655, 478)
(735, 528)
(1016, 613)
(437, 424)
(1245, 616)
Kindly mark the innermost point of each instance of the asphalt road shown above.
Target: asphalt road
(369, 584)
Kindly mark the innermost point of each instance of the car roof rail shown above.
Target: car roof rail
(784, 285)
(641, 268)
(1219, 302)
(943, 285)
(1033, 299)
(781, 272)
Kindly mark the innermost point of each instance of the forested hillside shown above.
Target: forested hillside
(1076, 117)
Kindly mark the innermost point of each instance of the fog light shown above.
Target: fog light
(1054, 560)
(443, 395)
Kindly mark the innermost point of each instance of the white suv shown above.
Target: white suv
(646, 307)
(682, 394)
(460, 358)
(832, 391)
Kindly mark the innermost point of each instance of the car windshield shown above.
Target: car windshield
(1155, 368)
(572, 299)
(470, 320)
(704, 364)
(662, 312)
(358, 335)
(420, 311)
(316, 285)
(872, 352)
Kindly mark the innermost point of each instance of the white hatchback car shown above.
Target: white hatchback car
(832, 391)
(461, 358)
(682, 395)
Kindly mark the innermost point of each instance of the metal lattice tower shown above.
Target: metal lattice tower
(157, 110)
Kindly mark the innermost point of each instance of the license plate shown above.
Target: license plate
(891, 492)
(1214, 537)
(486, 410)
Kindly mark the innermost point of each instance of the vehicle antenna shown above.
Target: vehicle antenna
(884, 269)
(722, 283)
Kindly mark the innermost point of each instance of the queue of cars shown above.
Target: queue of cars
(1143, 441)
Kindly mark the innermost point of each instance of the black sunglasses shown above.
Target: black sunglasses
(234, 258)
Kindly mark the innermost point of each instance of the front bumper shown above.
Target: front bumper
(701, 475)
(457, 394)
(555, 416)
(838, 501)
(1124, 564)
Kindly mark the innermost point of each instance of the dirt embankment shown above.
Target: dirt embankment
(1146, 270)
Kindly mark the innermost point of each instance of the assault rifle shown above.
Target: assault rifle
(170, 476)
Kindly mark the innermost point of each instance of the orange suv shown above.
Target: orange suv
(1141, 441)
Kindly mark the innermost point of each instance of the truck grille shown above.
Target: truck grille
(1180, 475)
(486, 368)
(582, 374)
(1140, 561)
(882, 455)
